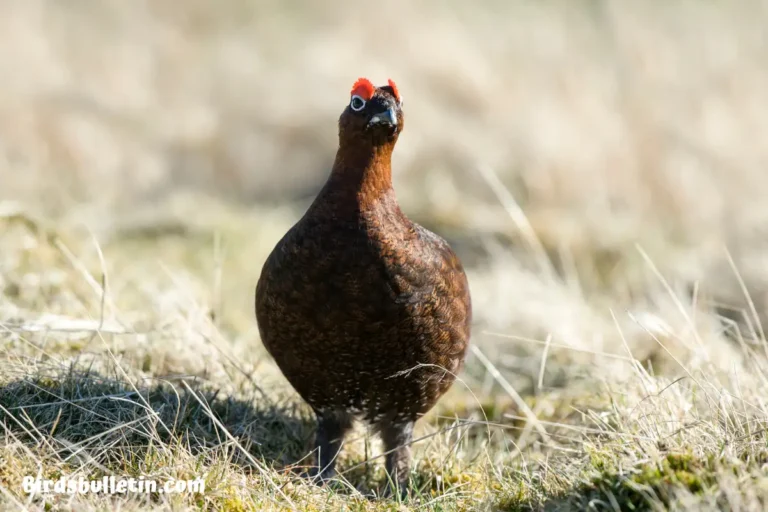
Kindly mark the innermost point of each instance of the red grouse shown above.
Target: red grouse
(366, 313)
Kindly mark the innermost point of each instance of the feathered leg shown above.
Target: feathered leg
(331, 428)
(397, 439)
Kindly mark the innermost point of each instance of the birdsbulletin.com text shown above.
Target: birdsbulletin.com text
(110, 485)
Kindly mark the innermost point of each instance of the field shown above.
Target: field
(600, 167)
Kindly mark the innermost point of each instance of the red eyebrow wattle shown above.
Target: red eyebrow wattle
(394, 89)
(363, 88)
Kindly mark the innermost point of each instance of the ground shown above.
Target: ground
(597, 168)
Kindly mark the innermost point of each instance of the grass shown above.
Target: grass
(143, 377)
(594, 165)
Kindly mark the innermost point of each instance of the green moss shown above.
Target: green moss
(235, 505)
(516, 498)
(639, 488)
(642, 487)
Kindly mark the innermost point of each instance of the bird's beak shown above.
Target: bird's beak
(388, 117)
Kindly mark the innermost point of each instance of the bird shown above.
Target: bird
(366, 313)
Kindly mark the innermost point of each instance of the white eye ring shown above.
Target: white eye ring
(357, 103)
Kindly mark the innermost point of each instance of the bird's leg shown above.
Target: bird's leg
(331, 427)
(397, 439)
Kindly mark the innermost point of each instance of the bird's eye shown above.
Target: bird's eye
(357, 103)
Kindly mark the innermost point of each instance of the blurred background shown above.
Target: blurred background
(596, 164)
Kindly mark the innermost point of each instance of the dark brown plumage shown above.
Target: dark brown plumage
(366, 313)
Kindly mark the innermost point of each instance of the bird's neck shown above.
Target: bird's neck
(362, 175)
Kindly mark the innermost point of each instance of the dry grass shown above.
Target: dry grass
(598, 166)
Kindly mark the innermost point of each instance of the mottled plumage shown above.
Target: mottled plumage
(362, 309)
